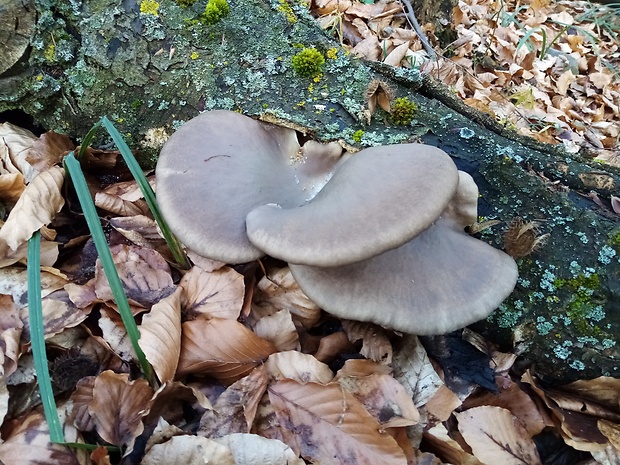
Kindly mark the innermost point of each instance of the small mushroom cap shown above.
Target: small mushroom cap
(220, 165)
(438, 282)
(377, 200)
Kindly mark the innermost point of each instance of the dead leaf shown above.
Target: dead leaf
(384, 398)
(12, 186)
(216, 294)
(313, 414)
(222, 348)
(40, 201)
(251, 449)
(279, 291)
(235, 409)
(115, 334)
(439, 440)
(511, 398)
(160, 336)
(413, 369)
(303, 368)
(29, 444)
(496, 436)
(376, 345)
(10, 332)
(188, 450)
(611, 431)
(118, 406)
(123, 199)
(144, 273)
(278, 329)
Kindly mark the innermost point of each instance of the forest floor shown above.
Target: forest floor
(247, 369)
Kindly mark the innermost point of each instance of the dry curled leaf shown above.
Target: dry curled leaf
(37, 206)
(278, 329)
(188, 450)
(221, 348)
(496, 436)
(216, 294)
(160, 336)
(144, 273)
(118, 406)
(251, 449)
(303, 368)
(313, 414)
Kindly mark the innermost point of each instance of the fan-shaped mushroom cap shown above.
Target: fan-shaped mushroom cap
(378, 200)
(220, 165)
(440, 281)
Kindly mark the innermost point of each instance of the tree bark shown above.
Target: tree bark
(149, 71)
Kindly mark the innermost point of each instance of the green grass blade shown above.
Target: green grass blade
(87, 140)
(35, 313)
(92, 219)
(147, 191)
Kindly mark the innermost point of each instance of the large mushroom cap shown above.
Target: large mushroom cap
(377, 200)
(220, 165)
(440, 281)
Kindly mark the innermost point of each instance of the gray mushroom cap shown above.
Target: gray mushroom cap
(377, 200)
(440, 281)
(220, 165)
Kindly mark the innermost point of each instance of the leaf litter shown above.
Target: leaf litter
(250, 370)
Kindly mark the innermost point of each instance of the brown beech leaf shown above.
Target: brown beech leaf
(14, 282)
(14, 145)
(251, 449)
(496, 436)
(375, 342)
(303, 368)
(603, 390)
(362, 367)
(442, 404)
(279, 291)
(10, 332)
(171, 399)
(611, 431)
(118, 406)
(328, 425)
(332, 346)
(4, 396)
(139, 229)
(384, 398)
(37, 206)
(235, 409)
(29, 444)
(81, 398)
(278, 329)
(123, 199)
(222, 348)
(188, 450)
(144, 273)
(413, 369)
(217, 294)
(512, 398)
(48, 150)
(160, 336)
(12, 186)
(450, 450)
(115, 334)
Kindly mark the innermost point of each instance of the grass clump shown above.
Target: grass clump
(308, 63)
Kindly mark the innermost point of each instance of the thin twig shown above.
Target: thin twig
(416, 27)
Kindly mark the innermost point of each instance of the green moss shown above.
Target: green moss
(403, 111)
(357, 136)
(214, 11)
(286, 9)
(185, 3)
(149, 7)
(584, 306)
(614, 240)
(308, 63)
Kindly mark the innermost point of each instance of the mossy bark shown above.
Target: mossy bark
(150, 71)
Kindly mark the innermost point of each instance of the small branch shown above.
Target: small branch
(410, 15)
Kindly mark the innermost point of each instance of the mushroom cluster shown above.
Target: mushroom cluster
(377, 236)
